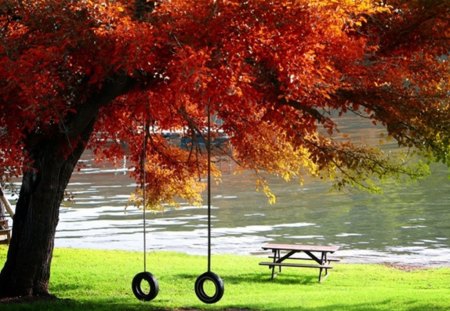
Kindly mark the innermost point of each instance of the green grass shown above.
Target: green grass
(100, 280)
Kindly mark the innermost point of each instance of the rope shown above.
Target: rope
(208, 148)
(144, 181)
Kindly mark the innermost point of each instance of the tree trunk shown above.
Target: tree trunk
(53, 156)
(27, 269)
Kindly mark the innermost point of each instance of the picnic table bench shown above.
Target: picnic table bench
(316, 253)
(5, 230)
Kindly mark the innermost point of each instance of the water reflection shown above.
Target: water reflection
(408, 224)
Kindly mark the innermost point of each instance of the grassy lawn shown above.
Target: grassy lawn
(101, 280)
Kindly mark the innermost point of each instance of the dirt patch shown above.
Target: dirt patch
(407, 268)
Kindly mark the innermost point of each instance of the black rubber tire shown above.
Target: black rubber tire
(218, 283)
(137, 289)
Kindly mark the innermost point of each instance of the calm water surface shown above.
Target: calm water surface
(407, 224)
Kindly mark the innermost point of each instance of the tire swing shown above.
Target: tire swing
(145, 276)
(209, 276)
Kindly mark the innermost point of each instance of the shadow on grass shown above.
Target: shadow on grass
(65, 287)
(386, 305)
(283, 279)
(72, 305)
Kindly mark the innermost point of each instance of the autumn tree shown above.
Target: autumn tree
(98, 74)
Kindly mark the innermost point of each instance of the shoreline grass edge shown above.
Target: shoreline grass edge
(85, 279)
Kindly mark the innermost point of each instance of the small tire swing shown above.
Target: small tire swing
(136, 284)
(209, 276)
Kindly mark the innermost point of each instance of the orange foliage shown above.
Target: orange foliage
(274, 72)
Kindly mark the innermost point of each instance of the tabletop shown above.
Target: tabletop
(299, 247)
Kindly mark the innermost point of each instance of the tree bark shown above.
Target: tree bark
(27, 269)
(53, 156)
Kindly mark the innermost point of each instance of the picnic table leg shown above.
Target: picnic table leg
(325, 275)
(323, 261)
(279, 256)
(275, 252)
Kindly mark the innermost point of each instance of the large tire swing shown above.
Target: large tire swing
(140, 278)
(209, 276)
(136, 286)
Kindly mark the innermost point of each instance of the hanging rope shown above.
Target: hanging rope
(208, 148)
(136, 284)
(144, 196)
(209, 275)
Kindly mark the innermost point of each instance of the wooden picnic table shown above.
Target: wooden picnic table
(316, 253)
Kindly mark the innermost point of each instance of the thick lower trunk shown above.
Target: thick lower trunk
(27, 269)
(54, 155)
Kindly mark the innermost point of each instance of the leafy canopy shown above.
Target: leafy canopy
(276, 73)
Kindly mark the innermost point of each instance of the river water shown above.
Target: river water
(407, 224)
